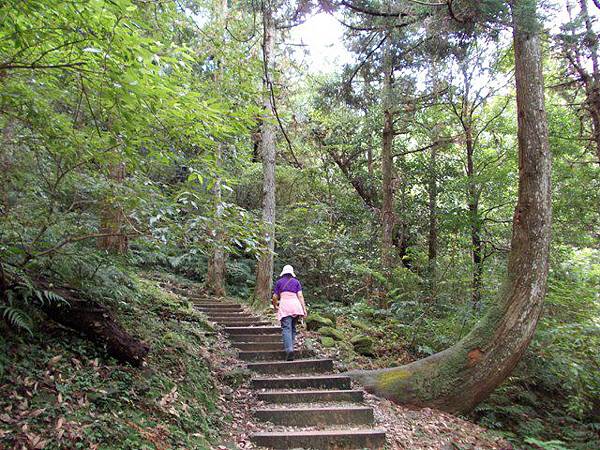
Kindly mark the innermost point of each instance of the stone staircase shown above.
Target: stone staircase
(307, 405)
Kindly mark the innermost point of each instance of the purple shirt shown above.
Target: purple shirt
(287, 284)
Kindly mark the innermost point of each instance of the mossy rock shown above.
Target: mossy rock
(361, 325)
(327, 342)
(329, 315)
(363, 345)
(331, 332)
(316, 321)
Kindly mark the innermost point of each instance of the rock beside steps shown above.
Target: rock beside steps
(323, 409)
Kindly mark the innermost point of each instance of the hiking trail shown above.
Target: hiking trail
(306, 404)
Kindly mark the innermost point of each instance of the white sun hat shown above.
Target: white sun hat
(287, 269)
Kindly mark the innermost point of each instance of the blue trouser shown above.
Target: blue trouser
(288, 332)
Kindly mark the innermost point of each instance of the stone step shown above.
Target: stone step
(216, 305)
(317, 416)
(252, 330)
(258, 346)
(239, 318)
(220, 307)
(327, 440)
(255, 338)
(302, 382)
(204, 301)
(237, 315)
(234, 319)
(250, 320)
(252, 323)
(289, 367)
(350, 396)
(270, 355)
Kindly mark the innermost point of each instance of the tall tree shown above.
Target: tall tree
(383, 44)
(432, 193)
(388, 219)
(467, 100)
(268, 128)
(460, 377)
(469, 103)
(215, 276)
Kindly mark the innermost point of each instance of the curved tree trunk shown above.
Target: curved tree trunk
(460, 377)
(264, 272)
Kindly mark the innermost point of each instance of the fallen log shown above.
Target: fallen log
(98, 323)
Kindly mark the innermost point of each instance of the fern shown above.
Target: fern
(24, 295)
(52, 297)
(547, 445)
(16, 317)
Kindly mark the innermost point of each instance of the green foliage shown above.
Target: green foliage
(161, 93)
(18, 302)
(557, 383)
(91, 87)
(170, 402)
(548, 445)
(16, 317)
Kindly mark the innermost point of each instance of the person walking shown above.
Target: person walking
(289, 303)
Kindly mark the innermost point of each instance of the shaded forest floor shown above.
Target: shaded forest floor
(58, 390)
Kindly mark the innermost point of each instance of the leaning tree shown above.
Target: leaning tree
(461, 376)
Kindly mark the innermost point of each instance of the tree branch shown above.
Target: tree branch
(437, 143)
(67, 241)
(371, 12)
(40, 66)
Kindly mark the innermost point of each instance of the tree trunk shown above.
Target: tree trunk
(264, 273)
(402, 237)
(98, 323)
(387, 161)
(460, 377)
(471, 194)
(474, 222)
(215, 276)
(6, 164)
(370, 158)
(367, 89)
(432, 235)
(112, 218)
